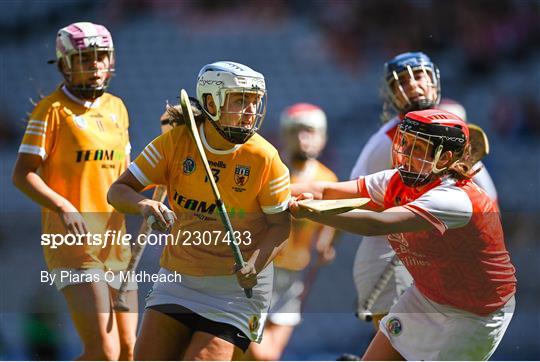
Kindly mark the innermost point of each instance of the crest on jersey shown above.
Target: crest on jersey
(80, 122)
(188, 166)
(394, 326)
(254, 323)
(241, 175)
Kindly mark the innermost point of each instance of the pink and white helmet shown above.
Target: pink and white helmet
(81, 37)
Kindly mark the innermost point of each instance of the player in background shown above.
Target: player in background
(206, 315)
(411, 82)
(447, 232)
(303, 129)
(482, 177)
(75, 145)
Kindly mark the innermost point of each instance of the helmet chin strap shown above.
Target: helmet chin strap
(300, 157)
(438, 153)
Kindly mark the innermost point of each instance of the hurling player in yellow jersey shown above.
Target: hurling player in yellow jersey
(75, 145)
(303, 129)
(206, 315)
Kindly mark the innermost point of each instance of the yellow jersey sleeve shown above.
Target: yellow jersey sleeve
(276, 191)
(42, 129)
(125, 117)
(150, 167)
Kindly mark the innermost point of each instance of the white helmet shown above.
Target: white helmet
(220, 78)
(82, 37)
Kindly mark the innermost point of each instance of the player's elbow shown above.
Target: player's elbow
(18, 176)
(284, 228)
(112, 194)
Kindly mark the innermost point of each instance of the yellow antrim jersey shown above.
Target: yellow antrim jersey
(252, 181)
(84, 147)
(296, 253)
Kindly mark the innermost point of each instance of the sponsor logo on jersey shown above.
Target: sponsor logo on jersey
(398, 238)
(193, 204)
(98, 155)
(188, 166)
(219, 164)
(394, 326)
(241, 175)
(80, 122)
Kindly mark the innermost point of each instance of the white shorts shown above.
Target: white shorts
(220, 299)
(372, 257)
(420, 329)
(65, 277)
(286, 303)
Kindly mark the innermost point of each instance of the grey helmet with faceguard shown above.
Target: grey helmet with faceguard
(410, 63)
(421, 139)
(86, 40)
(223, 78)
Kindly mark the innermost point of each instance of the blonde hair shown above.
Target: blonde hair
(462, 167)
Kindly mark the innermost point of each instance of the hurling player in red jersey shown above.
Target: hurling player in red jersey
(446, 231)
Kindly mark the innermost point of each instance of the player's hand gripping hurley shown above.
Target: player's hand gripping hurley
(192, 128)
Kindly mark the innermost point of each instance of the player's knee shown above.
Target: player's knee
(265, 354)
(107, 350)
(127, 347)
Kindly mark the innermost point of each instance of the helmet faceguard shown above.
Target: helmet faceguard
(421, 139)
(303, 126)
(239, 94)
(87, 40)
(414, 70)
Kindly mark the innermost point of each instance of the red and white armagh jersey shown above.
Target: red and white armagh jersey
(463, 262)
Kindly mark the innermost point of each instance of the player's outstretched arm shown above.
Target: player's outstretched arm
(368, 223)
(325, 190)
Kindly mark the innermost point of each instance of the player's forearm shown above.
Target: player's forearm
(315, 187)
(33, 186)
(356, 222)
(371, 223)
(124, 198)
(273, 241)
(325, 190)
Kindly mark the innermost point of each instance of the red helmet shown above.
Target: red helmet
(421, 139)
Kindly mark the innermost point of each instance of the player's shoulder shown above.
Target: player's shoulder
(384, 135)
(324, 173)
(111, 100)
(174, 135)
(259, 147)
(54, 100)
(388, 129)
(479, 198)
(451, 191)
